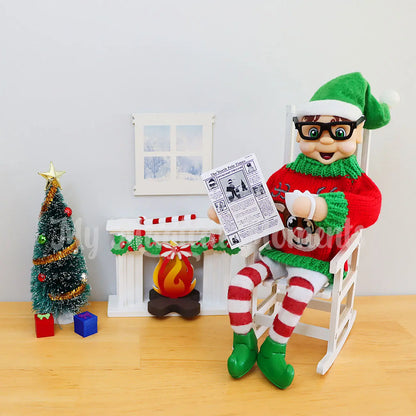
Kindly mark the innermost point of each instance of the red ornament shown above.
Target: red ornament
(123, 244)
(68, 211)
(130, 248)
(41, 277)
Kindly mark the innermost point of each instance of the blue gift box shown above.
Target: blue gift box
(85, 324)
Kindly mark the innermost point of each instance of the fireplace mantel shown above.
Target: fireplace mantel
(131, 299)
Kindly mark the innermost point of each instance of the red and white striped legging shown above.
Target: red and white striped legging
(303, 284)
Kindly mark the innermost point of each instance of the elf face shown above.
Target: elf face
(325, 149)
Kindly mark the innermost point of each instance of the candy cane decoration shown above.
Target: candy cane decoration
(166, 220)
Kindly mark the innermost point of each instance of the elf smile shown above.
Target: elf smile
(326, 156)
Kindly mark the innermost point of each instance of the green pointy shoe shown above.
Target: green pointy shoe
(244, 354)
(271, 361)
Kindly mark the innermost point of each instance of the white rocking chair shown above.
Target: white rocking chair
(337, 299)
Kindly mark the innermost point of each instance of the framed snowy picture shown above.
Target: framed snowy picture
(172, 150)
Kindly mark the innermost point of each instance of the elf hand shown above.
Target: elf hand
(306, 205)
(213, 215)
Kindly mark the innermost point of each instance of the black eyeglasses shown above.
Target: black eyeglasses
(338, 130)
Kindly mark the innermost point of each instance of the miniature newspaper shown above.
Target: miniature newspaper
(242, 201)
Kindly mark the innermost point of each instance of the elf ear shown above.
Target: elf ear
(360, 133)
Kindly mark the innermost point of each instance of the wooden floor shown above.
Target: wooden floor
(147, 366)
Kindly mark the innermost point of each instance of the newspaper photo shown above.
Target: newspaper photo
(242, 201)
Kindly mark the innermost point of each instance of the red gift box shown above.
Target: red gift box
(44, 325)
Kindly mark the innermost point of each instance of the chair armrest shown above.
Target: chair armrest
(339, 260)
(251, 248)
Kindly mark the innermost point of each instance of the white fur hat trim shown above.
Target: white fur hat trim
(329, 108)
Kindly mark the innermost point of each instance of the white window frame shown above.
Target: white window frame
(172, 186)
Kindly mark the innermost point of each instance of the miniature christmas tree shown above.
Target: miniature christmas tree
(59, 275)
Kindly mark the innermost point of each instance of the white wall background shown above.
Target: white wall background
(72, 73)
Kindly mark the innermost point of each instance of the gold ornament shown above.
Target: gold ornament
(57, 256)
(52, 176)
(69, 295)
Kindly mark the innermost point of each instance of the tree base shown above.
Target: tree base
(187, 306)
(64, 318)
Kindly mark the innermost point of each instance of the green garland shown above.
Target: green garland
(122, 245)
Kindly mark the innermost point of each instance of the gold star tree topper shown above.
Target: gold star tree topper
(52, 176)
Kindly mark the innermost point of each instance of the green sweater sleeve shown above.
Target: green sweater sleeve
(337, 213)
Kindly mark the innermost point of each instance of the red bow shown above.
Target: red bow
(169, 251)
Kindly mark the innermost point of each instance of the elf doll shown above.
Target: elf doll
(323, 198)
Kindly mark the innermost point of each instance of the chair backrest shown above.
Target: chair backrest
(362, 153)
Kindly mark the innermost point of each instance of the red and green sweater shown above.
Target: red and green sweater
(353, 200)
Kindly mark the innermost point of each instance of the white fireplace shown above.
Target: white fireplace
(132, 285)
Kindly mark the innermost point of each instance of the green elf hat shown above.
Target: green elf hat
(349, 96)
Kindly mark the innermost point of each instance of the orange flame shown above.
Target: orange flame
(174, 278)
